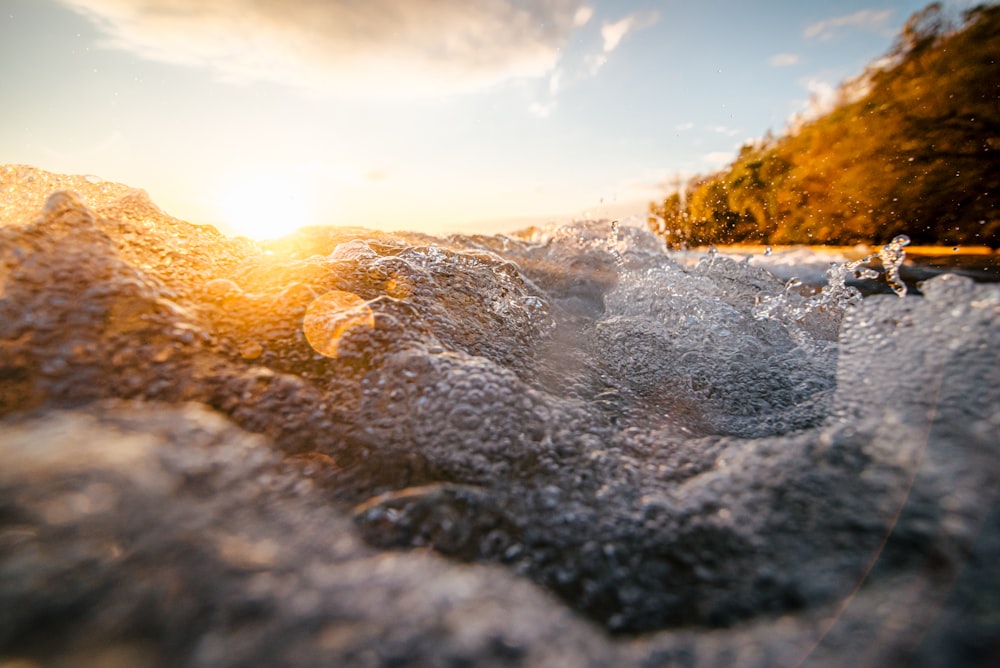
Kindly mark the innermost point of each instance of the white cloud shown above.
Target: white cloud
(684, 127)
(595, 62)
(382, 47)
(719, 158)
(590, 64)
(783, 59)
(545, 109)
(554, 81)
(868, 19)
(724, 130)
(542, 110)
(822, 98)
(613, 33)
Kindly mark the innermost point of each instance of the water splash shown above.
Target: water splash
(708, 261)
(615, 242)
(836, 295)
(892, 256)
(772, 306)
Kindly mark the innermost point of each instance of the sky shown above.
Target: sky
(483, 116)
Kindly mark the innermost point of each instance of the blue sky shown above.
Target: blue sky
(433, 115)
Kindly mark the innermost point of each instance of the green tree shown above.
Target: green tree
(911, 147)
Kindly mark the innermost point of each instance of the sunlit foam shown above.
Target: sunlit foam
(330, 316)
(265, 205)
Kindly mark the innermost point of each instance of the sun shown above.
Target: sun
(265, 205)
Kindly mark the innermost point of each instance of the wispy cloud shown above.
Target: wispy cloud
(867, 19)
(823, 97)
(380, 47)
(542, 109)
(724, 130)
(613, 33)
(545, 109)
(783, 59)
(583, 15)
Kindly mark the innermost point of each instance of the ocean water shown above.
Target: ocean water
(660, 440)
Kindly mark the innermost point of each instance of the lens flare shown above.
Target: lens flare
(330, 316)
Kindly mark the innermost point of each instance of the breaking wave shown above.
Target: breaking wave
(659, 444)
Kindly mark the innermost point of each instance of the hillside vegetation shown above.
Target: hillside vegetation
(911, 146)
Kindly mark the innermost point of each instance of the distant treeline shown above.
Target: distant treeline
(911, 146)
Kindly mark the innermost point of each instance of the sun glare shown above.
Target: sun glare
(265, 206)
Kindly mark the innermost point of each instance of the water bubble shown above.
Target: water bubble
(331, 316)
(63, 202)
(219, 289)
(251, 350)
(772, 306)
(708, 261)
(398, 288)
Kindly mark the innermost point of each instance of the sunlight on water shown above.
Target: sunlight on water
(574, 408)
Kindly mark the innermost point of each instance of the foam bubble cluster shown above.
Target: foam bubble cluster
(659, 445)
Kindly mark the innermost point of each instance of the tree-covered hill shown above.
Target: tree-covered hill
(912, 146)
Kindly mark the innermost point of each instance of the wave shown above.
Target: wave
(665, 446)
